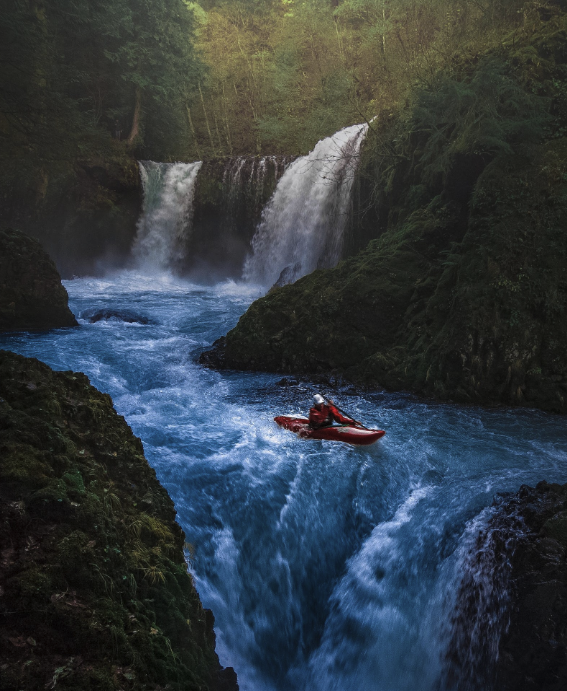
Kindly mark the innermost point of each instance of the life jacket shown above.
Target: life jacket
(326, 416)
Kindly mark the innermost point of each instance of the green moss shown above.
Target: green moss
(96, 574)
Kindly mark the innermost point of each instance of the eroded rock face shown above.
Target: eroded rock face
(31, 293)
(533, 651)
(509, 631)
(94, 588)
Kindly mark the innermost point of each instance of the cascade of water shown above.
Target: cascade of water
(167, 213)
(302, 225)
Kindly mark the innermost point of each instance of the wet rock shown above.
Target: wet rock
(214, 358)
(288, 275)
(94, 588)
(288, 381)
(510, 625)
(127, 316)
(31, 293)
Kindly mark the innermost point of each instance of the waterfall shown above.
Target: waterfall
(303, 223)
(167, 213)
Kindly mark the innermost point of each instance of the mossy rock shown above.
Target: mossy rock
(31, 293)
(95, 591)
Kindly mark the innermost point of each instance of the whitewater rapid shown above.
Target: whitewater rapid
(327, 567)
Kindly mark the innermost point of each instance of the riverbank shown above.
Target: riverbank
(95, 589)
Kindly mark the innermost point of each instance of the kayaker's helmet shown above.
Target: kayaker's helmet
(318, 399)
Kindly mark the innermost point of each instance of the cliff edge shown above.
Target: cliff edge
(94, 587)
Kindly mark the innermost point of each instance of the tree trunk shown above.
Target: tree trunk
(136, 119)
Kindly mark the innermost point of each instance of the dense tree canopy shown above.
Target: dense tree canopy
(77, 70)
(284, 73)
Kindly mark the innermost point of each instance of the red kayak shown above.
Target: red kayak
(359, 436)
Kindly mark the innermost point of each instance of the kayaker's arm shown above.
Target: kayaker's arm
(339, 417)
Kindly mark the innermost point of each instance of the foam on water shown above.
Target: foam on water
(327, 567)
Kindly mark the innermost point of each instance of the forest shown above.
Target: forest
(179, 80)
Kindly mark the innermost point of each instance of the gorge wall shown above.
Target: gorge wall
(31, 294)
(514, 589)
(94, 587)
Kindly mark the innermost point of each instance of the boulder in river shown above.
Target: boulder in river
(123, 315)
(31, 293)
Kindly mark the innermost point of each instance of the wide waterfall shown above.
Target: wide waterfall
(165, 223)
(302, 226)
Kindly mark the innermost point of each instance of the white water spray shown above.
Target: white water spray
(302, 225)
(165, 222)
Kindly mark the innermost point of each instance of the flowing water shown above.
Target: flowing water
(302, 225)
(168, 209)
(327, 567)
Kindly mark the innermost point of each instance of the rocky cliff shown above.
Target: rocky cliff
(463, 293)
(510, 627)
(31, 294)
(94, 588)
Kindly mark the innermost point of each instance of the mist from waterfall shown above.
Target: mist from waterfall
(302, 225)
(165, 223)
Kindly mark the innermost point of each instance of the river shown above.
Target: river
(327, 567)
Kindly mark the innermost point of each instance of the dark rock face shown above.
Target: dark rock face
(533, 651)
(510, 627)
(94, 588)
(31, 294)
(229, 197)
(84, 214)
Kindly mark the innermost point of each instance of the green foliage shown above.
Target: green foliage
(283, 74)
(484, 115)
(72, 69)
(463, 293)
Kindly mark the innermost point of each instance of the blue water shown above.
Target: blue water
(327, 567)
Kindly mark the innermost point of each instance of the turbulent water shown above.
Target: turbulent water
(302, 225)
(327, 567)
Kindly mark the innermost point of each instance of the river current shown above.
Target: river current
(327, 567)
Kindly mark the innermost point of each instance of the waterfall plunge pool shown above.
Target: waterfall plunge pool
(327, 567)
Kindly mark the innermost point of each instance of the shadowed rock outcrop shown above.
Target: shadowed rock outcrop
(31, 293)
(509, 630)
(94, 588)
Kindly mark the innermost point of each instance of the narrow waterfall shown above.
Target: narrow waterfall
(165, 222)
(303, 223)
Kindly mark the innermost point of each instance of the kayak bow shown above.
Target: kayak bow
(358, 436)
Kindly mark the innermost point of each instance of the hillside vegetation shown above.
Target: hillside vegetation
(282, 74)
(464, 293)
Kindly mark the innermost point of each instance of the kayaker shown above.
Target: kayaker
(324, 414)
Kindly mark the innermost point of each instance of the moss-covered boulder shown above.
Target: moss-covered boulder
(94, 588)
(31, 294)
(463, 295)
